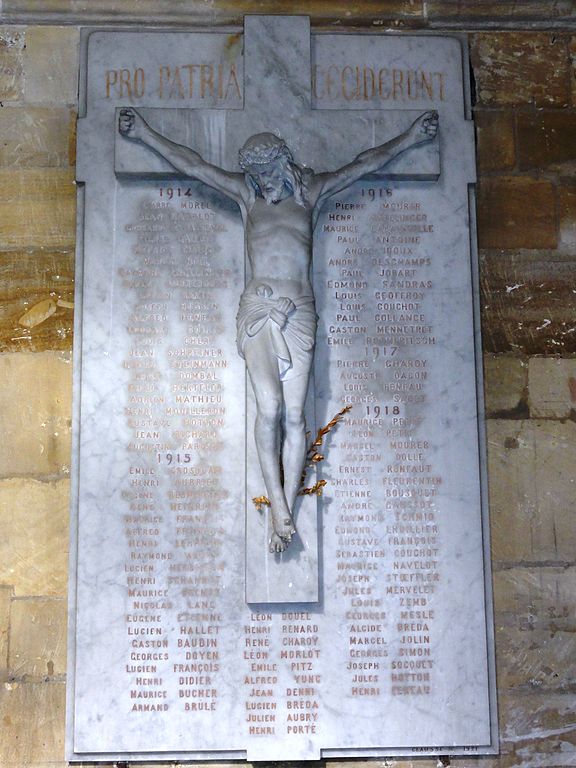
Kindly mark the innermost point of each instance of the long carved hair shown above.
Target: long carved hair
(265, 148)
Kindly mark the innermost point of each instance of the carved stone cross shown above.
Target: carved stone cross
(277, 99)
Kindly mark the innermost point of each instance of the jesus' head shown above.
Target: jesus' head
(270, 168)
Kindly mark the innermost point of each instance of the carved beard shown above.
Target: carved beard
(277, 195)
(270, 199)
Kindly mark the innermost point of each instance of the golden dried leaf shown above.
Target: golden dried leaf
(38, 313)
(261, 501)
(313, 490)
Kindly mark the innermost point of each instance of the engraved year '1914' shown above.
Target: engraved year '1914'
(171, 192)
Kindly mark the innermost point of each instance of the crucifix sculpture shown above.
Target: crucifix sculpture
(279, 200)
(276, 323)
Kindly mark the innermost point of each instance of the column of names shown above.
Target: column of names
(377, 274)
(176, 412)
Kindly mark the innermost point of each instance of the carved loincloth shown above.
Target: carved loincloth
(290, 325)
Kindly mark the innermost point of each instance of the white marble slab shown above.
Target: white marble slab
(178, 649)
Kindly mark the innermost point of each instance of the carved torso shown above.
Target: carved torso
(279, 244)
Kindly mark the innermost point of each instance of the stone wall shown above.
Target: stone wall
(525, 93)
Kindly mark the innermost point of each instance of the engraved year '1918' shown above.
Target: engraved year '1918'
(382, 410)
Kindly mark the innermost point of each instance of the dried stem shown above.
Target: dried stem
(312, 457)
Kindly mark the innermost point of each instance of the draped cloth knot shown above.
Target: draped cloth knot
(288, 323)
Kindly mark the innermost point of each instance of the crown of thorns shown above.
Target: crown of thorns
(262, 149)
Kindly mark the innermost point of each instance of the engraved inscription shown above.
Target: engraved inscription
(365, 83)
(192, 641)
(175, 411)
(378, 319)
(198, 80)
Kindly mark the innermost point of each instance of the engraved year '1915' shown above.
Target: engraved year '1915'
(174, 458)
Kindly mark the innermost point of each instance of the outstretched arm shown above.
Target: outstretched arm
(183, 159)
(422, 130)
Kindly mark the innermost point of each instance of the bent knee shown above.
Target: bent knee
(270, 409)
(295, 417)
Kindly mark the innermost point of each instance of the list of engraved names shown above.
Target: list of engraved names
(374, 279)
(376, 270)
(176, 414)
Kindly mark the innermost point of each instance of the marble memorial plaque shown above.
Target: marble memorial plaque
(216, 610)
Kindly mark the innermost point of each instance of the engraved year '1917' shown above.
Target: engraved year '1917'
(375, 352)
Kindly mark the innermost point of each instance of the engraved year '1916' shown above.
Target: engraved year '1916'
(373, 193)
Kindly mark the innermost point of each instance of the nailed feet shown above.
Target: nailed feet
(283, 531)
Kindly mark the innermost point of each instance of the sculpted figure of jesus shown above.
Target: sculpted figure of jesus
(276, 323)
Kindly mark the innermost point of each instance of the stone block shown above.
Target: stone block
(535, 659)
(546, 140)
(527, 302)
(493, 10)
(5, 601)
(538, 730)
(536, 597)
(12, 44)
(28, 278)
(516, 212)
(34, 542)
(72, 138)
(37, 639)
(405, 762)
(60, 764)
(505, 381)
(532, 490)
(32, 717)
(573, 64)
(535, 618)
(495, 141)
(568, 219)
(552, 387)
(34, 136)
(51, 65)
(35, 413)
(386, 763)
(519, 68)
(194, 11)
(37, 208)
